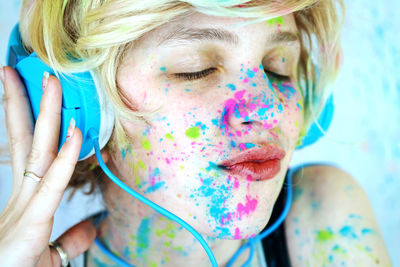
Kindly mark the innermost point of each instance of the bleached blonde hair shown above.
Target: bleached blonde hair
(97, 33)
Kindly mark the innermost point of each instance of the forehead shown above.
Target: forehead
(197, 26)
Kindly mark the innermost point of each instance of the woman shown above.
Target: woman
(203, 92)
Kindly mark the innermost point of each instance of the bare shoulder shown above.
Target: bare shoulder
(331, 222)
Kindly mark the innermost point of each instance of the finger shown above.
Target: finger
(47, 128)
(45, 139)
(19, 123)
(76, 240)
(48, 196)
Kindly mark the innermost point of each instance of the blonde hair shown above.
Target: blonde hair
(74, 35)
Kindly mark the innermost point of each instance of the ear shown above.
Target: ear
(93, 160)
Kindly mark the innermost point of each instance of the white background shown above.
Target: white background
(364, 138)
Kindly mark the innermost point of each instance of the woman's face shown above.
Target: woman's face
(223, 105)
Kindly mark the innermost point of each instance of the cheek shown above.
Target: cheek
(292, 100)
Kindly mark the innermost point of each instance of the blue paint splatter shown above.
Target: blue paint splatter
(155, 187)
(143, 236)
(231, 86)
(250, 73)
(347, 231)
(297, 192)
(365, 231)
(211, 166)
(355, 216)
(205, 189)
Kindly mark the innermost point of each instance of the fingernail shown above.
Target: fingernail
(45, 80)
(71, 129)
(2, 74)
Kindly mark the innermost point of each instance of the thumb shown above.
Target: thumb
(75, 241)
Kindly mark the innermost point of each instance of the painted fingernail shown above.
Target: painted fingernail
(71, 129)
(2, 74)
(45, 80)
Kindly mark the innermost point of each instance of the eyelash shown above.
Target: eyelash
(274, 75)
(191, 76)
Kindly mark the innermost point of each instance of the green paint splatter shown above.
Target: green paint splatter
(277, 20)
(146, 144)
(142, 165)
(168, 231)
(178, 248)
(92, 166)
(193, 132)
(324, 235)
(169, 136)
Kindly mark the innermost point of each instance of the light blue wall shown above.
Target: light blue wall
(365, 135)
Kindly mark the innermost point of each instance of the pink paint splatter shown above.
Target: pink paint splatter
(237, 233)
(236, 183)
(249, 206)
(226, 219)
(242, 146)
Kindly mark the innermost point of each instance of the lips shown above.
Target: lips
(256, 164)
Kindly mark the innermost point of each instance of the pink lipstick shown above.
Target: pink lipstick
(256, 164)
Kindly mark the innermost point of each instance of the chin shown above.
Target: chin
(239, 229)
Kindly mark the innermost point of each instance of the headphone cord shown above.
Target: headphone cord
(249, 244)
(93, 135)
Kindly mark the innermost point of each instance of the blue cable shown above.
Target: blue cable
(103, 248)
(93, 135)
(249, 244)
(248, 261)
(111, 255)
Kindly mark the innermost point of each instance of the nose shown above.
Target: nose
(253, 103)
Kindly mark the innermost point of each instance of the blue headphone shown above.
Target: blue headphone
(83, 100)
(82, 95)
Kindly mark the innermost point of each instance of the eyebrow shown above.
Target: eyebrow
(183, 35)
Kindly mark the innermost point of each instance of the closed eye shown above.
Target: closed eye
(191, 76)
(275, 76)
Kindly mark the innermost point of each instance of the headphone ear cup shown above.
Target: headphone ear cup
(82, 97)
(106, 114)
(321, 126)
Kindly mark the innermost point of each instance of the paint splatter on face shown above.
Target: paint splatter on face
(223, 97)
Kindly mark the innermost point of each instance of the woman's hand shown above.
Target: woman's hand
(27, 220)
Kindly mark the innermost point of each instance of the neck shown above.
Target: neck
(143, 237)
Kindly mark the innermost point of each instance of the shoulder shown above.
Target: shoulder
(328, 184)
(331, 221)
